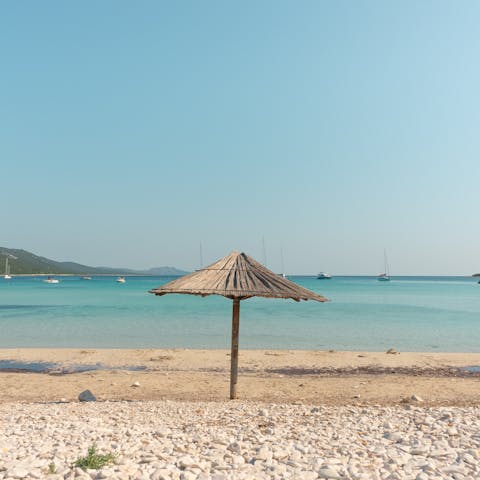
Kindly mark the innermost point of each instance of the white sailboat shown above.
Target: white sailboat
(385, 276)
(7, 275)
(283, 274)
(51, 280)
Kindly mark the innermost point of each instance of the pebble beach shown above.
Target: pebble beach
(239, 440)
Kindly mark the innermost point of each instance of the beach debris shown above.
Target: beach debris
(87, 396)
(161, 358)
(135, 384)
(392, 351)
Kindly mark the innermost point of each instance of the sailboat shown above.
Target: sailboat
(7, 275)
(283, 274)
(50, 279)
(385, 276)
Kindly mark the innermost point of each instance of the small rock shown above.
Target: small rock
(87, 396)
(393, 436)
(17, 472)
(186, 461)
(416, 398)
(188, 476)
(238, 460)
(263, 454)
(161, 474)
(306, 475)
(328, 472)
(235, 447)
(392, 351)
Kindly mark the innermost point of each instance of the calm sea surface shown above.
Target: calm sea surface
(408, 313)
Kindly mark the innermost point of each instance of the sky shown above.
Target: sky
(133, 132)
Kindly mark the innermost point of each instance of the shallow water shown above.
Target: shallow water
(408, 313)
(59, 369)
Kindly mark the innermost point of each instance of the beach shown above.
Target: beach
(279, 376)
(300, 415)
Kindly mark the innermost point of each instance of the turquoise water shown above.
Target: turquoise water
(408, 313)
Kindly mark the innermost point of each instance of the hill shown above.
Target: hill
(23, 262)
(166, 272)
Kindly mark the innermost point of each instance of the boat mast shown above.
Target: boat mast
(264, 252)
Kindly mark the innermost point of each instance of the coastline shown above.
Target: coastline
(278, 376)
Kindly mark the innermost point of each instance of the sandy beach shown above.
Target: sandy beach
(313, 377)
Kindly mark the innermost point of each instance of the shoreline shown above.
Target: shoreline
(277, 376)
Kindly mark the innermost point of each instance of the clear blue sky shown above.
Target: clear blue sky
(132, 131)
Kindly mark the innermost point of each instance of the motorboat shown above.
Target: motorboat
(324, 276)
(86, 277)
(121, 280)
(51, 280)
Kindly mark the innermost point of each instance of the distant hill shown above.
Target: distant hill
(166, 272)
(23, 262)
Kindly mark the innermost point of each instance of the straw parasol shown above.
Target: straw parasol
(237, 276)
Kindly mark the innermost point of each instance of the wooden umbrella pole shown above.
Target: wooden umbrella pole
(234, 353)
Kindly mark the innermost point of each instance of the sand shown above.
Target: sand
(309, 377)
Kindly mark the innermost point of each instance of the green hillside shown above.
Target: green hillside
(23, 262)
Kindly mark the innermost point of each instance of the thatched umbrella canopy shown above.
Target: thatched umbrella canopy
(237, 276)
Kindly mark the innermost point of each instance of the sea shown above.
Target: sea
(425, 314)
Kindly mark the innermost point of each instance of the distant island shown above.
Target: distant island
(22, 262)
